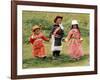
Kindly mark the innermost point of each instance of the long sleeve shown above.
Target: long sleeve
(62, 34)
(45, 38)
(52, 30)
(31, 39)
(68, 36)
(62, 30)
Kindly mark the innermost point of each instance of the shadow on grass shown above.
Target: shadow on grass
(49, 62)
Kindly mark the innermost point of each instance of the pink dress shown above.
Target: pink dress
(74, 44)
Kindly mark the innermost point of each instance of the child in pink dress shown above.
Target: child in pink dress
(36, 40)
(74, 40)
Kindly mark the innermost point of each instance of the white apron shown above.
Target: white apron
(53, 47)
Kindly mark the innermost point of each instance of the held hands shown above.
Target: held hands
(63, 40)
(66, 40)
(81, 39)
(32, 36)
(48, 40)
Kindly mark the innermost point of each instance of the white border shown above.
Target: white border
(21, 71)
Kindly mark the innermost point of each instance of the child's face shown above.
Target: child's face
(59, 20)
(37, 31)
(74, 26)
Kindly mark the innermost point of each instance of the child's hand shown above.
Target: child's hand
(48, 40)
(28, 39)
(81, 39)
(66, 40)
(32, 36)
(63, 40)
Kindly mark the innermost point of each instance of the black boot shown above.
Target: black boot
(54, 55)
(57, 53)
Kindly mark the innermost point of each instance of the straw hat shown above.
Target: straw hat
(35, 27)
(74, 22)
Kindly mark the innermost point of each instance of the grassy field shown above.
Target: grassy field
(64, 60)
(46, 20)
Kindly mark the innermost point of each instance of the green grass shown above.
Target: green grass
(46, 19)
(62, 61)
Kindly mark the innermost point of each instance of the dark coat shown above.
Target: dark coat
(60, 35)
